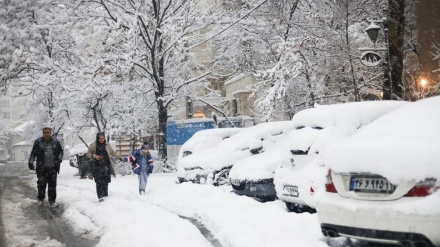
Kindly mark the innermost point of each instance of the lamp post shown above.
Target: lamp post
(189, 108)
(373, 34)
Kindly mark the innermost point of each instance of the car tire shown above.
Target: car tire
(221, 178)
(298, 208)
(292, 207)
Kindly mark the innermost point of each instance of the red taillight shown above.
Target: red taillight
(329, 186)
(424, 188)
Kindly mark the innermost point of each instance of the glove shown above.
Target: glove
(31, 166)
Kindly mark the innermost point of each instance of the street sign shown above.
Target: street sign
(370, 59)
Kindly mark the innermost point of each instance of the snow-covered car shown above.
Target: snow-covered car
(79, 159)
(201, 140)
(253, 176)
(205, 139)
(212, 165)
(300, 175)
(384, 182)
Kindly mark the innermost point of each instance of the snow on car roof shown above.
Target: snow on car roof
(78, 149)
(401, 146)
(337, 120)
(206, 139)
(353, 114)
(238, 146)
(253, 136)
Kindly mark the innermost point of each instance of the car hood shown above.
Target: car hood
(256, 167)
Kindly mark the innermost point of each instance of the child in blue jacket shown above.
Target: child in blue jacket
(143, 166)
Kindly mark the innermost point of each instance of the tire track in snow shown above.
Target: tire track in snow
(205, 232)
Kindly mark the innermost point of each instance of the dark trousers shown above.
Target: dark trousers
(47, 176)
(101, 188)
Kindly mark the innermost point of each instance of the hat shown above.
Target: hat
(144, 147)
(46, 127)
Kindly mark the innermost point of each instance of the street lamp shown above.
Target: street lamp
(189, 108)
(366, 59)
(423, 82)
(373, 32)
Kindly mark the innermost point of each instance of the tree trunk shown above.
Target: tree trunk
(163, 117)
(396, 32)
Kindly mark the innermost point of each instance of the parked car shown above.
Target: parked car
(212, 165)
(384, 182)
(205, 139)
(79, 159)
(200, 141)
(253, 176)
(300, 175)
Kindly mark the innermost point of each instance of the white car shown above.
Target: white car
(253, 176)
(300, 176)
(213, 165)
(200, 141)
(384, 182)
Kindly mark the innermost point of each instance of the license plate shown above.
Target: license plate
(371, 185)
(290, 190)
(253, 188)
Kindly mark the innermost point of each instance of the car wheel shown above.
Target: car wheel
(299, 208)
(265, 198)
(292, 207)
(312, 210)
(82, 166)
(221, 178)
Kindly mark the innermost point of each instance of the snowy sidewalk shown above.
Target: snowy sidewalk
(126, 218)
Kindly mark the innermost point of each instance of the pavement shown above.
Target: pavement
(23, 222)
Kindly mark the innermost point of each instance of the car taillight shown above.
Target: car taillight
(424, 188)
(329, 186)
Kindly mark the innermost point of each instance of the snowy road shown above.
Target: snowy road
(156, 219)
(22, 222)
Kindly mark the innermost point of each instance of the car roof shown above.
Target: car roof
(353, 114)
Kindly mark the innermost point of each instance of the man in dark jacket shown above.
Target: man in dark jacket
(49, 154)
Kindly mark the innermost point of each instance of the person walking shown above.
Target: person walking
(102, 167)
(49, 154)
(143, 166)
